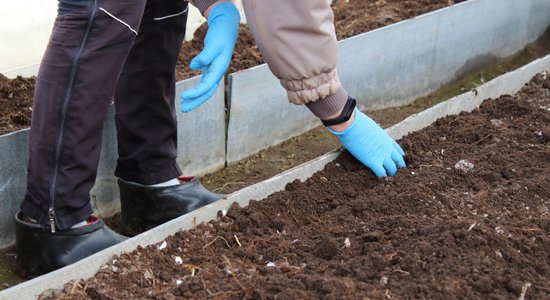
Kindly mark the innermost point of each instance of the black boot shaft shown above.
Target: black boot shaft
(144, 207)
(40, 251)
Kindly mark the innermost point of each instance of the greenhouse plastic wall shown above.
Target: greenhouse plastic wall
(389, 66)
(509, 83)
(21, 54)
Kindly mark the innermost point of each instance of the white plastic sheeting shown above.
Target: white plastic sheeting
(20, 54)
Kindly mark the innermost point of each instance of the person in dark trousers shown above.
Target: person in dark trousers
(101, 50)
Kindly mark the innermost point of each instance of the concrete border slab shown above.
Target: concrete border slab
(201, 133)
(260, 115)
(13, 182)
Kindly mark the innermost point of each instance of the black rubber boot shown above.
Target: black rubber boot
(40, 251)
(144, 207)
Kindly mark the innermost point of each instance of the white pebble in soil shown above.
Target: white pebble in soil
(464, 165)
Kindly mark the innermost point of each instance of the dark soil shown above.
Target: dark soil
(351, 18)
(468, 218)
(16, 97)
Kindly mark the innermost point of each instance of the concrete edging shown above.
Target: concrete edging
(509, 83)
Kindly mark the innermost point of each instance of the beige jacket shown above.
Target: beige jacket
(298, 42)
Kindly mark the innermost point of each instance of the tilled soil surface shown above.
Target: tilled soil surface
(350, 18)
(15, 103)
(468, 218)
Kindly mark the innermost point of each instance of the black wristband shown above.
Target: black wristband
(344, 116)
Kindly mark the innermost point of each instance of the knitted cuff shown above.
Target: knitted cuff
(202, 5)
(329, 105)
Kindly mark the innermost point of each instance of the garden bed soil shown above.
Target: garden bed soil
(16, 98)
(468, 218)
(350, 17)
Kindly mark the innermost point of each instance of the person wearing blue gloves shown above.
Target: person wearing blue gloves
(102, 51)
(298, 41)
(126, 51)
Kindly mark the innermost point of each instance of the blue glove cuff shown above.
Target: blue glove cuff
(350, 128)
(227, 10)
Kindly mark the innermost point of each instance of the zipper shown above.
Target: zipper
(51, 210)
(51, 215)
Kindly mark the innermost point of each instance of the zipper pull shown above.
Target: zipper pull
(51, 214)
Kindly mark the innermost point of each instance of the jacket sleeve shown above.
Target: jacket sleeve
(202, 5)
(298, 41)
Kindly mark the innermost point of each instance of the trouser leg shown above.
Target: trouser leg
(74, 87)
(298, 42)
(144, 97)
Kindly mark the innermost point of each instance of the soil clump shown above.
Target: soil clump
(350, 18)
(468, 218)
(16, 97)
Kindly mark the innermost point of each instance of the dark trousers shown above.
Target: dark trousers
(100, 51)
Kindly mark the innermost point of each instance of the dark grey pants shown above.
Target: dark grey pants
(102, 50)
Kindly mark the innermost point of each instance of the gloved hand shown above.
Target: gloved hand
(214, 59)
(371, 145)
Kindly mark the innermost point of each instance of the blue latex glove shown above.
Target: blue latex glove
(371, 145)
(214, 59)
